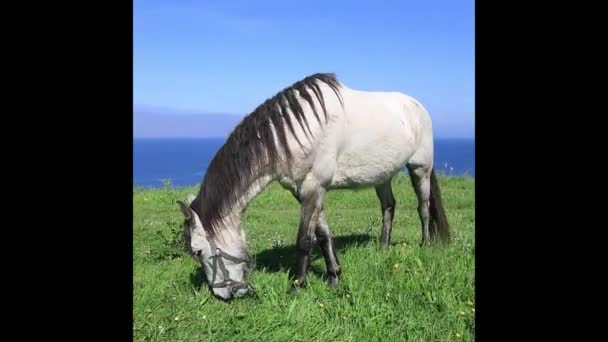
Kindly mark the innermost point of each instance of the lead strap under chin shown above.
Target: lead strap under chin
(217, 255)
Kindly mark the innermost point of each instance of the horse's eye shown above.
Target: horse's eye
(199, 253)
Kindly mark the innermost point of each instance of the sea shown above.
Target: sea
(182, 162)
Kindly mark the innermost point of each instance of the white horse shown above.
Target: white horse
(312, 137)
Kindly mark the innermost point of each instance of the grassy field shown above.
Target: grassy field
(406, 293)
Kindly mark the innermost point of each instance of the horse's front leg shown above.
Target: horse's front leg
(326, 243)
(311, 206)
(328, 249)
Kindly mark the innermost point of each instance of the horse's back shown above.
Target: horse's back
(380, 133)
(368, 138)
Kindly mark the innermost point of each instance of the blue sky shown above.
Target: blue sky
(193, 58)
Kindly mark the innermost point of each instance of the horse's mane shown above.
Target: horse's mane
(251, 146)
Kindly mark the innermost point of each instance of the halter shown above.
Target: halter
(217, 255)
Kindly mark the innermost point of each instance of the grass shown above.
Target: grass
(405, 293)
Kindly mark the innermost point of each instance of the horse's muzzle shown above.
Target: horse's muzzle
(232, 292)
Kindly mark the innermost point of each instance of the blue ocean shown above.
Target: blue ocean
(182, 162)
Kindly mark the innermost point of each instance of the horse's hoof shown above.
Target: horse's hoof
(294, 289)
(333, 281)
(296, 286)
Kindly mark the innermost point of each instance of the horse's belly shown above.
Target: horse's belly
(370, 166)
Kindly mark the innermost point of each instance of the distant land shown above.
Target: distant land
(150, 123)
(157, 122)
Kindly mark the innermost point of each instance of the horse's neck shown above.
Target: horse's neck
(233, 240)
(257, 186)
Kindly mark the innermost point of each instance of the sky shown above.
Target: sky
(208, 63)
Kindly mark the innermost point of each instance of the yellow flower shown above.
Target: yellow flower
(347, 296)
(458, 335)
(396, 266)
(321, 305)
(473, 310)
(296, 281)
(461, 312)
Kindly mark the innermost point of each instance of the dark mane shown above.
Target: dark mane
(251, 146)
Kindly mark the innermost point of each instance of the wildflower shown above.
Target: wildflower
(321, 305)
(473, 310)
(204, 317)
(176, 318)
(296, 281)
(347, 296)
(461, 312)
(458, 335)
(396, 266)
(469, 303)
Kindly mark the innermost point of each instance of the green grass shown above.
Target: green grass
(405, 293)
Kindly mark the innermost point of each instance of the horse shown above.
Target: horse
(312, 137)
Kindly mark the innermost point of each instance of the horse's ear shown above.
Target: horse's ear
(185, 209)
(190, 198)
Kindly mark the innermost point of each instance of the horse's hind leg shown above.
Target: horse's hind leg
(323, 234)
(421, 181)
(387, 205)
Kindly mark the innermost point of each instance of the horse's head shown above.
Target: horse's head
(223, 257)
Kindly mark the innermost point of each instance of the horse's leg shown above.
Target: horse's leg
(421, 181)
(387, 205)
(323, 234)
(311, 204)
(329, 252)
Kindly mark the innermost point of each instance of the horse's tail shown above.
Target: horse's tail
(438, 225)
